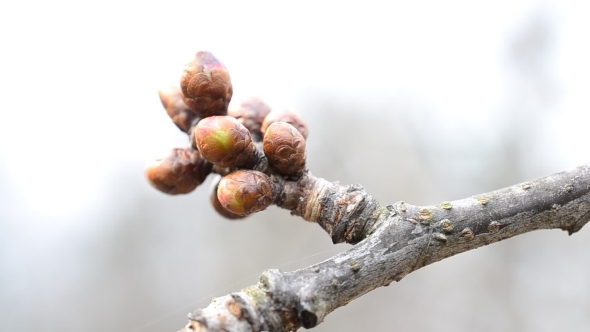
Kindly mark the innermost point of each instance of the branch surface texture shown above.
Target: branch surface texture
(394, 241)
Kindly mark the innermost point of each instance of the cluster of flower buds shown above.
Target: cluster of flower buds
(247, 145)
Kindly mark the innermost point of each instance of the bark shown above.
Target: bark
(346, 213)
(400, 239)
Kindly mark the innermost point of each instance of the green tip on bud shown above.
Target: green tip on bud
(225, 142)
(206, 85)
(219, 208)
(284, 146)
(244, 192)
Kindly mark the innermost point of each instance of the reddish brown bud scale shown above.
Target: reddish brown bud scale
(225, 142)
(219, 208)
(290, 117)
(206, 85)
(245, 192)
(178, 173)
(182, 116)
(251, 114)
(284, 146)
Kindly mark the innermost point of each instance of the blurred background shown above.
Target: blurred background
(421, 101)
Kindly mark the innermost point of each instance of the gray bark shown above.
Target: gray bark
(401, 240)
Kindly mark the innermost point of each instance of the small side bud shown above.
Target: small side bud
(244, 192)
(178, 173)
(251, 114)
(290, 117)
(182, 116)
(219, 208)
(206, 85)
(225, 142)
(284, 147)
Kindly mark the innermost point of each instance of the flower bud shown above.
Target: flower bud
(206, 85)
(182, 116)
(219, 208)
(244, 192)
(284, 146)
(290, 117)
(225, 142)
(251, 113)
(179, 173)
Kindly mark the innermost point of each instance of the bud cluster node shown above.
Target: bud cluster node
(246, 144)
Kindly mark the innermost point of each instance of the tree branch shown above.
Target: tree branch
(346, 213)
(401, 241)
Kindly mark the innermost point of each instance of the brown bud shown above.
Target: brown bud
(219, 208)
(244, 192)
(206, 85)
(179, 173)
(182, 116)
(284, 146)
(251, 113)
(225, 142)
(290, 117)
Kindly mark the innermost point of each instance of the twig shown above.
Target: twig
(401, 239)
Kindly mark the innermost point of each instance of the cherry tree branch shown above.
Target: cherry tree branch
(400, 241)
(262, 157)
